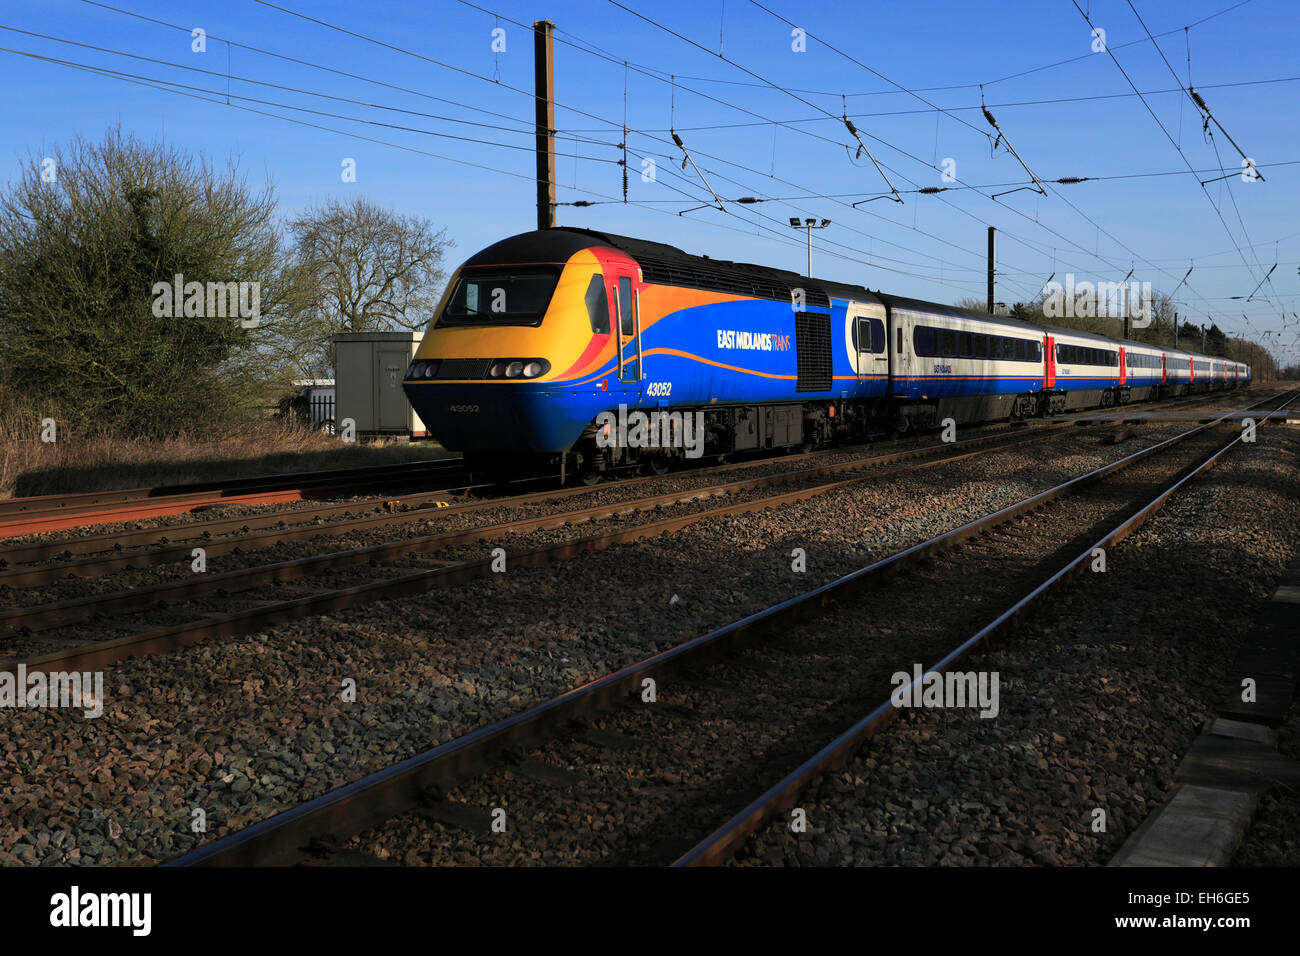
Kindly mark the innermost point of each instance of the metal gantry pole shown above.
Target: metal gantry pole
(993, 232)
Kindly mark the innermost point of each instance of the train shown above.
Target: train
(545, 343)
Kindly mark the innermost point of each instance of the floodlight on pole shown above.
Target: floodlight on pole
(808, 225)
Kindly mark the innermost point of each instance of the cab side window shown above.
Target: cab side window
(625, 305)
(871, 335)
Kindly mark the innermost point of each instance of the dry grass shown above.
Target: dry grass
(29, 466)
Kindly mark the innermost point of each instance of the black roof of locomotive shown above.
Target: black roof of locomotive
(668, 265)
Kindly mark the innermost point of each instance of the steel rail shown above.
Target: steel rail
(720, 845)
(117, 542)
(58, 613)
(100, 565)
(59, 519)
(174, 637)
(76, 501)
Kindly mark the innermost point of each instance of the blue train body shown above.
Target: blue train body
(593, 323)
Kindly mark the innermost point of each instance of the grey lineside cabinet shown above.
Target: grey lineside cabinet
(369, 369)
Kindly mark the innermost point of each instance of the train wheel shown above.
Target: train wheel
(656, 465)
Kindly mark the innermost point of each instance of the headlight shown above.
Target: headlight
(498, 369)
(514, 369)
(533, 369)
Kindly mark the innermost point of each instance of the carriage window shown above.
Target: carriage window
(1008, 348)
(949, 343)
(625, 305)
(598, 305)
(923, 340)
(964, 345)
(1020, 350)
(981, 346)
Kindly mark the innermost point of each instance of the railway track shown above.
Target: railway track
(162, 624)
(27, 564)
(1041, 551)
(20, 517)
(27, 516)
(100, 608)
(96, 555)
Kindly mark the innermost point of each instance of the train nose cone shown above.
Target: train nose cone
(491, 417)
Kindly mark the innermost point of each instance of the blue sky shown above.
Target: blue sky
(929, 246)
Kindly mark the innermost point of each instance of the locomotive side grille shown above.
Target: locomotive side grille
(734, 279)
(463, 368)
(812, 342)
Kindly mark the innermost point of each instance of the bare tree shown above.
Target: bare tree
(357, 267)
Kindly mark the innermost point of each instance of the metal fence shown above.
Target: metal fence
(322, 406)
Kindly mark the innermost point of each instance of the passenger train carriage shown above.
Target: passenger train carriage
(541, 335)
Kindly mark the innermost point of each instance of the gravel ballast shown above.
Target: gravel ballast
(253, 726)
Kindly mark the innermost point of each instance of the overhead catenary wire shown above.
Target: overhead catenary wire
(721, 159)
(896, 148)
(1006, 233)
(1164, 130)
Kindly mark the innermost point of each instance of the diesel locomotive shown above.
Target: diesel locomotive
(542, 338)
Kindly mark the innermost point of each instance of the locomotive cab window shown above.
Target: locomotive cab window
(500, 297)
(598, 305)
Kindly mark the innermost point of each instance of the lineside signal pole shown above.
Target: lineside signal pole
(544, 93)
(992, 256)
